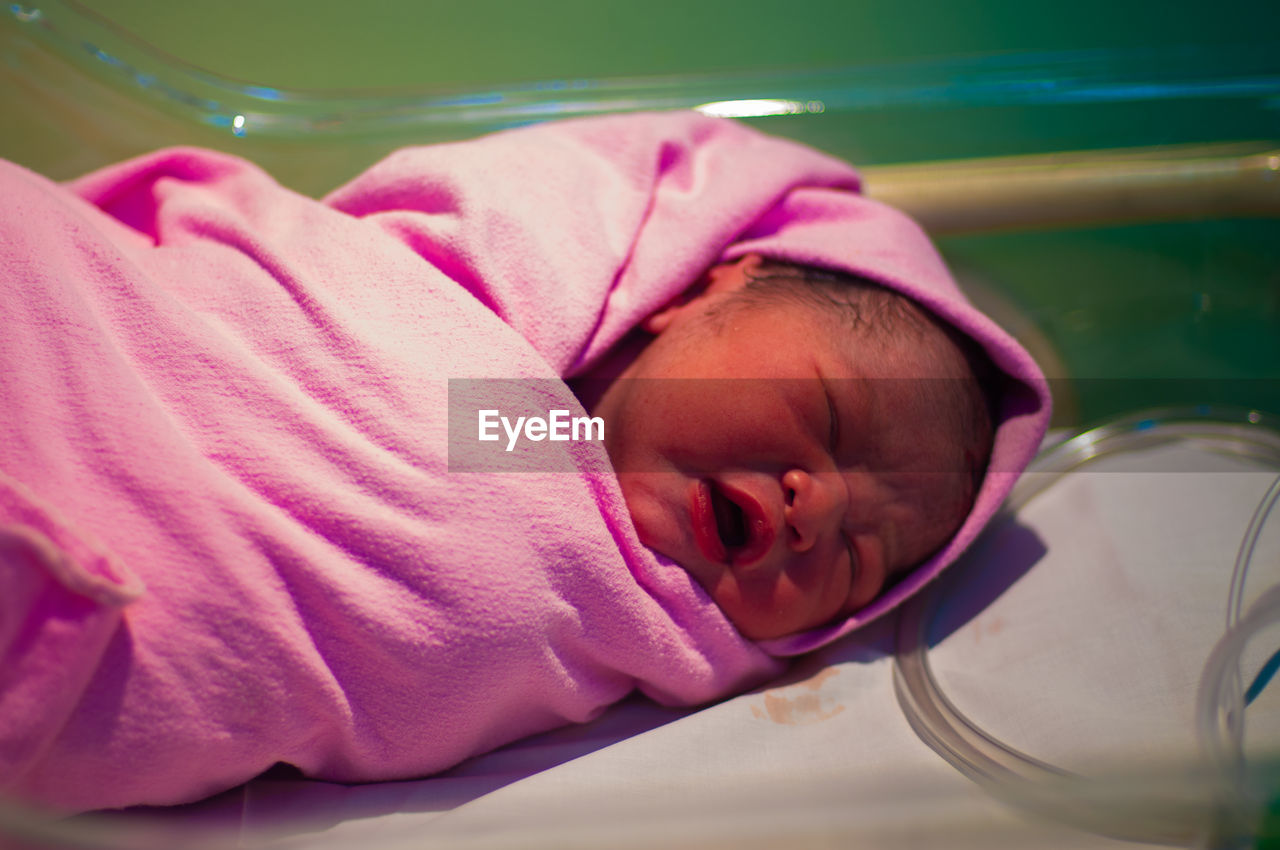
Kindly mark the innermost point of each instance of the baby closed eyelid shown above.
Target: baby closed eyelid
(853, 558)
(833, 418)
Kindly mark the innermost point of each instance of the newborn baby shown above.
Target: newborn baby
(237, 526)
(796, 440)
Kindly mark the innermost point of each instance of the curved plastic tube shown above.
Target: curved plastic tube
(1196, 811)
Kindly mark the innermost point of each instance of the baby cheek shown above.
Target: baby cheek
(738, 432)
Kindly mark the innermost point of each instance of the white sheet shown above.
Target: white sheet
(1076, 633)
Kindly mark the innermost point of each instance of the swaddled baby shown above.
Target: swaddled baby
(797, 440)
(234, 526)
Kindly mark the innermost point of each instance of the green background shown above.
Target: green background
(319, 44)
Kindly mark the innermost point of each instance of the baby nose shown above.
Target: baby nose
(813, 504)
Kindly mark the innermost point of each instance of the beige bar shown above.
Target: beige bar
(1089, 187)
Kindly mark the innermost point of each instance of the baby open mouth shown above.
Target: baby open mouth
(731, 521)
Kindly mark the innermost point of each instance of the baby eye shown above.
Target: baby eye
(853, 558)
(833, 418)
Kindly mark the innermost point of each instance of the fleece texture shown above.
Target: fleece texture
(230, 534)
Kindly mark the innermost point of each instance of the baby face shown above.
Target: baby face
(778, 465)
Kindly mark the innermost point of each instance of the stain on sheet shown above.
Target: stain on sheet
(987, 627)
(799, 704)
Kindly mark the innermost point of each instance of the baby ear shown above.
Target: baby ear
(728, 277)
(661, 320)
(723, 277)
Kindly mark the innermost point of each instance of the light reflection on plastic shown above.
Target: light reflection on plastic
(263, 92)
(23, 14)
(237, 125)
(483, 99)
(760, 107)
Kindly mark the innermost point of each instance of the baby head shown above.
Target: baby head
(797, 440)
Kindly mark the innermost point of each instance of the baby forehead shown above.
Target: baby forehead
(871, 330)
(901, 365)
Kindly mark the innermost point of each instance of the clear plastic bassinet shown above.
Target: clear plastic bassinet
(1113, 204)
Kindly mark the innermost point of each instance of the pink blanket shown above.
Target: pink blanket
(229, 535)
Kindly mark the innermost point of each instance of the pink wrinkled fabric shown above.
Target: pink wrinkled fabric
(229, 536)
